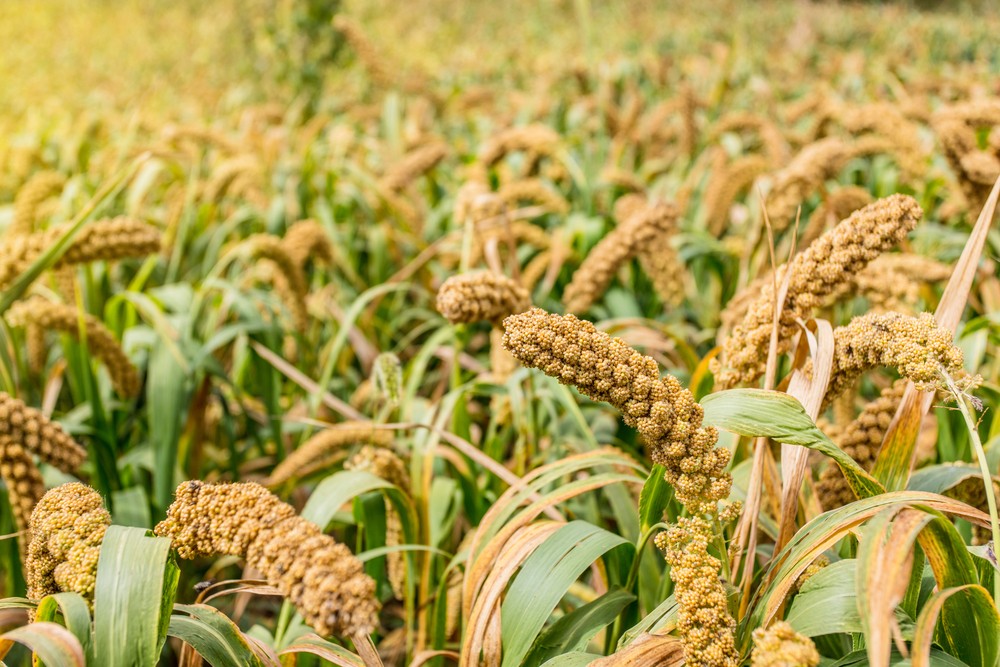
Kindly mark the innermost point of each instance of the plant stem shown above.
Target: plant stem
(977, 445)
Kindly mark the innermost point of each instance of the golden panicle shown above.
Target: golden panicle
(305, 241)
(622, 179)
(503, 231)
(23, 481)
(807, 171)
(781, 646)
(837, 206)
(107, 240)
(535, 269)
(639, 231)
(915, 346)
(822, 269)
(769, 138)
(413, 165)
(888, 122)
(365, 50)
(659, 259)
(321, 577)
(200, 135)
(533, 190)
(481, 296)
(67, 528)
(40, 187)
(226, 174)
(317, 449)
(975, 170)
(980, 167)
(704, 623)
(861, 439)
(537, 139)
(892, 282)
(289, 281)
(384, 463)
(606, 369)
(381, 462)
(33, 431)
(475, 203)
(726, 185)
(41, 316)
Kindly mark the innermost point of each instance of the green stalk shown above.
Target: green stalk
(984, 468)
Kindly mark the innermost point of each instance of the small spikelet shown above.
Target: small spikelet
(23, 481)
(289, 281)
(316, 450)
(606, 369)
(387, 378)
(41, 316)
(414, 164)
(107, 240)
(704, 623)
(861, 439)
(481, 296)
(533, 190)
(33, 431)
(822, 269)
(67, 528)
(781, 646)
(40, 187)
(726, 185)
(321, 577)
(369, 56)
(915, 346)
(383, 463)
(590, 281)
(306, 241)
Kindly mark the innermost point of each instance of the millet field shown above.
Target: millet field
(501, 334)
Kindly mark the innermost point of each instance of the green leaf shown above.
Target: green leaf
(75, 612)
(167, 396)
(653, 498)
(213, 635)
(940, 478)
(136, 584)
(543, 580)
(664, 613)
(774, 414)
(573, 631)
(827, 603)
(314, 645)
(342, 487)
(576, 659)
(55, 645)
(969, 628)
